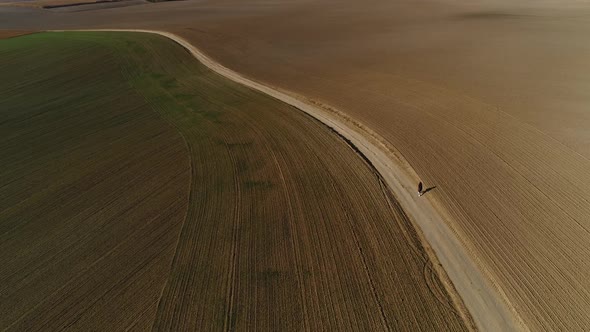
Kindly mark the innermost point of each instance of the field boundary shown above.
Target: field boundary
(480, 301)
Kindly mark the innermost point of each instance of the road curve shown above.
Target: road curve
(484, 301)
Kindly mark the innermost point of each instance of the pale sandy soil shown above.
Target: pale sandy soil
(487, 101)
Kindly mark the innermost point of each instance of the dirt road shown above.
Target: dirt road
(488, 308)
(487, 101)
(273, 222)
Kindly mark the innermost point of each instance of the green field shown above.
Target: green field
(139, 190)
(93, 183)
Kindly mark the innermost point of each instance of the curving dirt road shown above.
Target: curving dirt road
(495, 90)
(489, 309)
(283, 226)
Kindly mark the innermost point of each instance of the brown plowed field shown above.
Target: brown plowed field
(489, 103)
(160, 195)
(486, 100)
